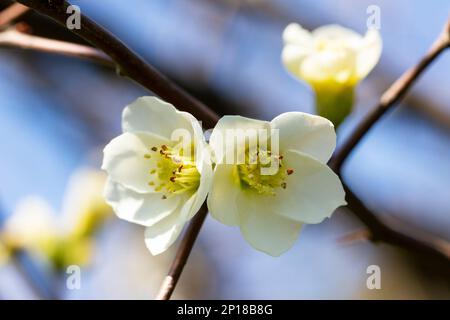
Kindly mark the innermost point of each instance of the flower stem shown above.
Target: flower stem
(334, 103)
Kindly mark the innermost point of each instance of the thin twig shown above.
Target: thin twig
(11, 13)
(425, 245)
(355, 236)
(12, 37)
(137, 69)
(182, 255)
(389, 99)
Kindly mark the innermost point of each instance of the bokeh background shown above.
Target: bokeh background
(57, 113)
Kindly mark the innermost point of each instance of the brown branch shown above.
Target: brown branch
(12, 37)
(425, 245)
(183, 252)
(134, 67)
(389, 99)
(11, 13)
(130, 63)
(355, 236)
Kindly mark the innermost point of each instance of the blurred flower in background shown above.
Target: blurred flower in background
(332, 60)
(65, 239)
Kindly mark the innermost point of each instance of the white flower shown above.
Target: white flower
(333, 60)
(271, 209)
(330, 54)
(156, 180)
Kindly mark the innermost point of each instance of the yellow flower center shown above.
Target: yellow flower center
(175, 172)
(263, 172)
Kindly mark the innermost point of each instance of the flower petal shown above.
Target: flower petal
(150, 114)
(306, 133)
(206, 179)
(159, 237)
(32, 222)
(332, 66)
(292, 57)
(125, 162)
(336, 32)
(295, 34)
(262, 227)
(313, 190)
(144, 209)
(224, 192)
(369, 52)
(298, 45)
(234, 124)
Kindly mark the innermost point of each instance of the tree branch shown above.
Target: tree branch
(137, 69)
(12, 37)
(424, 244)
(183, 252)
(11, 13)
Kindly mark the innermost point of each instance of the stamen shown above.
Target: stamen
(250, 174)
(175, 173)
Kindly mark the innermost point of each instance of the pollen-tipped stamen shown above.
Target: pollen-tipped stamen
(175, 173)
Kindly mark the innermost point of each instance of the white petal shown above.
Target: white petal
(32, 221)
(263, 228)
(313, 190)
(306, 133)
(125, 162)
(83, 193)
(295, 34)
(338, 65)
(151, 114)
(234, 124)
(202, 162)
(206, 179)
(336, 32)
(159, 237)
(369, 52)
(224, 192)
(292, 57)
(298, 44)
(144, 209)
